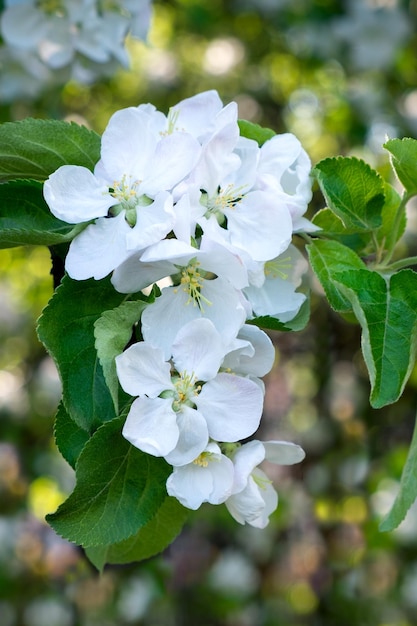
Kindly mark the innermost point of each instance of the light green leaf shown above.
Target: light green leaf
(66, 328)
(112, 331)
(255, 132)
(404, 161)
(353, 190)
(151, 539)
(407, 492)
(25, 218)
(387, 234)
(332, 227)
(69, 437)
(386, 308)
(119, 489)
(327, 258)
(34, 148)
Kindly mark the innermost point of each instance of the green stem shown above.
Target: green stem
(398, 265)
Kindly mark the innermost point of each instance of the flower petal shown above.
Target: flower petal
(193, 437)
(151, 426)
(142, 370)
(132, 275)
(283, 452)
(199, 349)
(98, 249)
(232, 407)
(75, 195)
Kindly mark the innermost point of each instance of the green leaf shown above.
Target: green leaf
(332, 227)
(151, 539)
(119, 489)
(34, 148)
(69, 437)
(387, 234)
(407, 492)
(66, 328)
(255, 132)
(353, 190)
(386, 308)
(327, 258)
(404, 161)
(299, 322)
(112, 332)
(25, 218)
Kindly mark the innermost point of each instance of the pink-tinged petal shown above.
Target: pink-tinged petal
(198, 349)
(193, 437)
(98, 249)
(75, 195)
(142, 370)
(232, 406)
(245, 459)
(173, 158)
(133, 275)
(151, 426)
(252, 220)
(283, 452)
(153, 222)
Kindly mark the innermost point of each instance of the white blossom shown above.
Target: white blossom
(185, 400)
(253, 497)
(128, 193)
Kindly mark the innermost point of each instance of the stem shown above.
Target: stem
(411, 260)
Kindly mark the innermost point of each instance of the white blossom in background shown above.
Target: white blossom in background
(74, 38)
(253, 498)
(184, 401)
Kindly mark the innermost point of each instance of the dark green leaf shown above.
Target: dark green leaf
(327, 258)
(404, 161)
(69, 437)
(112, 332)
(386, 308)
(151, 539)
(66, 328)
(407, 492)
(255, 132)
(34, 148)
(119, 489)
(25, 218)
(353, 190)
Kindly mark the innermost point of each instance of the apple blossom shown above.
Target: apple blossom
(184, 401)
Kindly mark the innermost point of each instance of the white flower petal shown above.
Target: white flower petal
(245, 459)
(127, 144)
(98, 249)
(247, 504)
(199, 349)
(153, 222)
(23, 26)
(75, 195)
(174, 157)
(232, 407)
(255, 362)
(253, 219)
(193, 437)
(133, 275)
(151, 426)
(283, 452)
(196, 115)
(194, 484)
(142, 370)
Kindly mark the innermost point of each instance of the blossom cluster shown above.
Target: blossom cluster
(54, 40)
(185, 199)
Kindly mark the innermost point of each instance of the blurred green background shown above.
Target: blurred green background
(341, 76)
